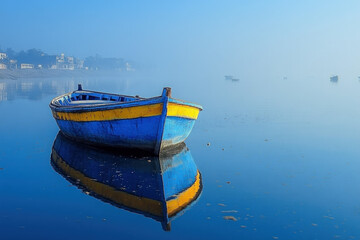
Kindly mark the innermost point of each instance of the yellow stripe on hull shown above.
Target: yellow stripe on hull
(174, 110)
(122, 198)
(113, 114)
(178, 110)
(183, 199)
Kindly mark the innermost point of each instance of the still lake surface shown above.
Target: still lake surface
(279, 156)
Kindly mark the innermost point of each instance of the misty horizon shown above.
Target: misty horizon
(233, 37)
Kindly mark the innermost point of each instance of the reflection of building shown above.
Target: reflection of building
(2, 66)
(33, 89)
(3, 55)
(26, 66)
(160, 187)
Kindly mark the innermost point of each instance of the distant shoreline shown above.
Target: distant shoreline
(46, 73)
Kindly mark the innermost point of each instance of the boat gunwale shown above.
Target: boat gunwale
(113, 105)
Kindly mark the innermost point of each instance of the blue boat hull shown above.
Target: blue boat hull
(147, 124)
(134, 133)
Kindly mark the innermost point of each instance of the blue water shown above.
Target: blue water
(279, 156)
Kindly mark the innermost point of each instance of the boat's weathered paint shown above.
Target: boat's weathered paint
(122, 121)
(157, 186)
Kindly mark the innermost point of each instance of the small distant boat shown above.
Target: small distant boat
(235, 79)
(160, 187)
(150, 124)
(334, 78)
(228, 77)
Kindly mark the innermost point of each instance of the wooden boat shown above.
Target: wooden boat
(160, 187)
(150, 124)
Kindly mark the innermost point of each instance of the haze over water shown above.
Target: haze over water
(277, 150)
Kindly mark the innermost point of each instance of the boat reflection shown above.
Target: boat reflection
(160, 187)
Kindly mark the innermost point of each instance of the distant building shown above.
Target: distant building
(2, 66)
(129, 67)
(3, 55)
(12, 64)
(70, 60)
(64, 63)
(61, 58)
(26, 66)
(79, 64)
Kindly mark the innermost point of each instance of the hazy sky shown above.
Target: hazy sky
(233, 37)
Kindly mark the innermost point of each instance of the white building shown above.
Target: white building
(129, 67)
(64, 63)
(2, 66)
(26, 66)
(3, 55)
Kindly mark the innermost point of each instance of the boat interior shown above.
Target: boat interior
(85, 98)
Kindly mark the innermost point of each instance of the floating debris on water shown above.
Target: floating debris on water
(275, 237)
(314, 224)
(208, 218)
(221, 204)
(229, 211)
(228, 182)
(266, 140)
(230, 218)
(208, 204)
(243, 226)
(1, 168)
(329, 217)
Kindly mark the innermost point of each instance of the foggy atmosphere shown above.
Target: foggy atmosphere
(179, 120)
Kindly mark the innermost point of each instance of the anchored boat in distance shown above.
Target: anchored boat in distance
(150, 124)
(160, 187)
(334, 78)
(232, 78)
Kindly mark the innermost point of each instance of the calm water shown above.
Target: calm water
(283, 160)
